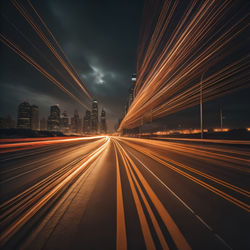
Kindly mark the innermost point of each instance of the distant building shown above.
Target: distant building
(131, 93)
(43, 124)
(35, 117)
(94, 117)
(24, 116)
(103, 125)
(54, 119)
(87, 122)
(76, 126)
(65, 122)
(7, 122)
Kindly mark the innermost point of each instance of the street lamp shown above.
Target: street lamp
(201, 108)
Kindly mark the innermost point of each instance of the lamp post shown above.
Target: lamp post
(221, 119)
(201, 108)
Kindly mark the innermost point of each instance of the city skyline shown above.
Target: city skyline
(27, 117)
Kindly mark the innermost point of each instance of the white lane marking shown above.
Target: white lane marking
(204, 222)
(191, 210)
(221, 240)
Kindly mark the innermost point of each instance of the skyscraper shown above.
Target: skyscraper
(7, 122)
(87, 122)
(76, 126)
(94, 117)
(35, 117)
(64, 122)
(103, 125)
(24, 116)
(54, 119)
(131, 93)
(43, 124)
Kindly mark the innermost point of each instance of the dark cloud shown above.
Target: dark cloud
(99, 38)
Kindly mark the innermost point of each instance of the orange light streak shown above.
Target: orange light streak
(168, 77)
(173, 229)
(35, 144)
(44, 197)
(164, 161)
(28, 59)
(39, 32)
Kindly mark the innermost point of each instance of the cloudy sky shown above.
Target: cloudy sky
(99, 38)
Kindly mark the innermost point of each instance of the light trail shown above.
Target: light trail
(47, 161)
(45, 39)
(38, 67)
(143, 221)
(179, 199)
(50, 141)
(42, 55)
(34, 139)
(144, 185)
(151, 214)
(169, 68)
(216, 141)
(172, 165)
(11, 147)
(173, 229)
(121, 236)
(41, 193)
(78, 81)
(203, 151)
(226, 157)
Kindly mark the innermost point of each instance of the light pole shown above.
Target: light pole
(201, 108)
(221, 119)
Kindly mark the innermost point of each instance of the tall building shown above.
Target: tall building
(43, 124)
(76, 126)
(24, 116)
(103, 125)
(6, 122)
(35, 117)
(94, 117)
(64, 122)
(87, 122)
(131, 93)
(54, 119)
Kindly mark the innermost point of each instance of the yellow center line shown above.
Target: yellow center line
(173, 229)
(142, 218)
(151, 214)
(121, 237)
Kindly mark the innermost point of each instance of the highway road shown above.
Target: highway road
(105, 192)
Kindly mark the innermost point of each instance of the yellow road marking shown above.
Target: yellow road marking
(121, 237)
(173, 229)
(144, 225)
(151, 214)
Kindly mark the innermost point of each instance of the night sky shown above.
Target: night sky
(100, 38)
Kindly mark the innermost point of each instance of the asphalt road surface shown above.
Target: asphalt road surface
(124, 193)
